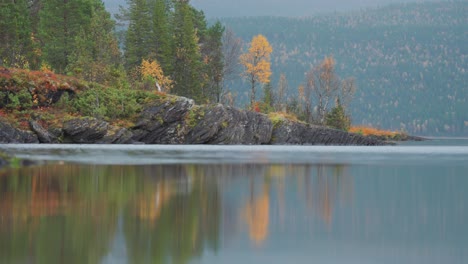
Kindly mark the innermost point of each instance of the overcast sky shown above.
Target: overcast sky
(236, 8)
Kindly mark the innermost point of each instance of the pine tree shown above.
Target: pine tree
(337, 118)
(187, 58)
(96, 56)
(161, 38)
(138, 36)
(60, 22)
(15, 34)
(268, 97)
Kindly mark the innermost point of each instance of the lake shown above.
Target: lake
(236, 204)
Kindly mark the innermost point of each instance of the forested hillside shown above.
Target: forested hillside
(409, 61)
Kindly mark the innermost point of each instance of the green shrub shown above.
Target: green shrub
(25, 99)
(111, 103)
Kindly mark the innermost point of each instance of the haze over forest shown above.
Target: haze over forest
(239, 8)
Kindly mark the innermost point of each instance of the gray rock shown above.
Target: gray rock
(9, 134)
(228, 126)
(161, 123)
(42, 134)
(85, 130)
(117, 135)
(294, 133)
(258, 129)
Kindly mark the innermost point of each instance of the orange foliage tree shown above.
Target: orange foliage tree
(257, 63)
(151, 70)
(325, 87)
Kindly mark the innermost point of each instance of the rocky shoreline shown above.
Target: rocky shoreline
(178, 120)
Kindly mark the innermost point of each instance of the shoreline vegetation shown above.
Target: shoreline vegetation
(384, 134)
(44, 107)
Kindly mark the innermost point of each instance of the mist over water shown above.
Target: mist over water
(452, 152)
(231, 204)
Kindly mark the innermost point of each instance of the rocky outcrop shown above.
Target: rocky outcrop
(288, 132)
(227, 125)
(161, 123)
(177, 120)
(94, 131)
(9, 134)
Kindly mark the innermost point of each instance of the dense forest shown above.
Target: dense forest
(409, 61)
(167, 44)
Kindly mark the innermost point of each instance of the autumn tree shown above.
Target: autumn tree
(325, 88)
(152, 71)
(257, 63)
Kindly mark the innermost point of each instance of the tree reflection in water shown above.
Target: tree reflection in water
(67, 213)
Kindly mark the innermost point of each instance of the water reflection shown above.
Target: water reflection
(65, 213)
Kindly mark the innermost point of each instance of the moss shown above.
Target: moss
(276, 119)
(194, 116)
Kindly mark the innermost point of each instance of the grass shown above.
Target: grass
(278, 117)
(370, 131)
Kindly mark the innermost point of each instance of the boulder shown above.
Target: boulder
(84, 130)
(117, 135)
(43, 135)
(9, 134)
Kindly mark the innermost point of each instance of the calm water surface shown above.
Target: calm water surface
(242, 204)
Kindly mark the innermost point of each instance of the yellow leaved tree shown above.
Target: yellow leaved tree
(151, 70)
(257, 63)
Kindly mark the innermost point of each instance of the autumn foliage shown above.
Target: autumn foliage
(257, 63)
(151, 70)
